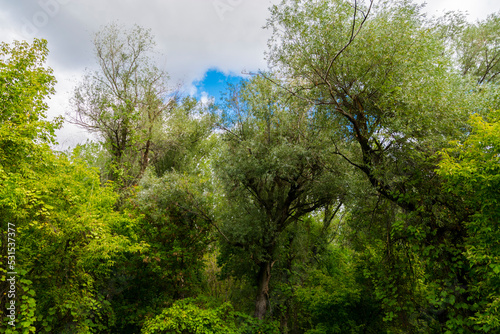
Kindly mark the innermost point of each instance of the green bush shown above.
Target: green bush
(191, 316)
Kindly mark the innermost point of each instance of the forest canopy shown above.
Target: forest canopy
(353, 187)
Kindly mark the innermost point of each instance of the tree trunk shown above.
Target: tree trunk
(262, 300)
(144, 159)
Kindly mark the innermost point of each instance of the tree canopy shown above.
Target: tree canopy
(351, 188)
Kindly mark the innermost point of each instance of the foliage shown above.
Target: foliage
(273, 170)
(477, 48)
(328, 289)
(178, 233)
(186, 317)
(175, 204)
(193, 316)
(185, 137)
(71, 238)
(94, 155)
(24, 85)
(328, 307)
(73, 246)
(472, 171)
(67, 233)
(391, 98)
(353, 189)
(124, 101)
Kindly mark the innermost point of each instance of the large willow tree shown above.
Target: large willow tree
(274, 168)
(384, 76)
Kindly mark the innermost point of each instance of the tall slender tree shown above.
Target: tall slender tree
(124, 100)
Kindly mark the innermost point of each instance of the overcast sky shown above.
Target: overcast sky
(193, 35)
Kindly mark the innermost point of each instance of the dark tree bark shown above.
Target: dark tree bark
(262, 299)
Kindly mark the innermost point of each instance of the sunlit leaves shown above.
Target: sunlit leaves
(472, 170)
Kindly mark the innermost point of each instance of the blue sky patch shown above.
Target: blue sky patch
(215, 83)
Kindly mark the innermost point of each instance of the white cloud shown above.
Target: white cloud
(205, 99)
(194, 35)
(477, 9)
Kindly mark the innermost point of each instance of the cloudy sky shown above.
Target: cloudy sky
(204, 42)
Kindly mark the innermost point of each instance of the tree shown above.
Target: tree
(477, 48)
(184, 138)
(25, 83)
(392, 99)
(273, 170)
(53, 210)
(125, 100)
(361, 63)
(71, 240)
(174, 199)
(472, 173)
